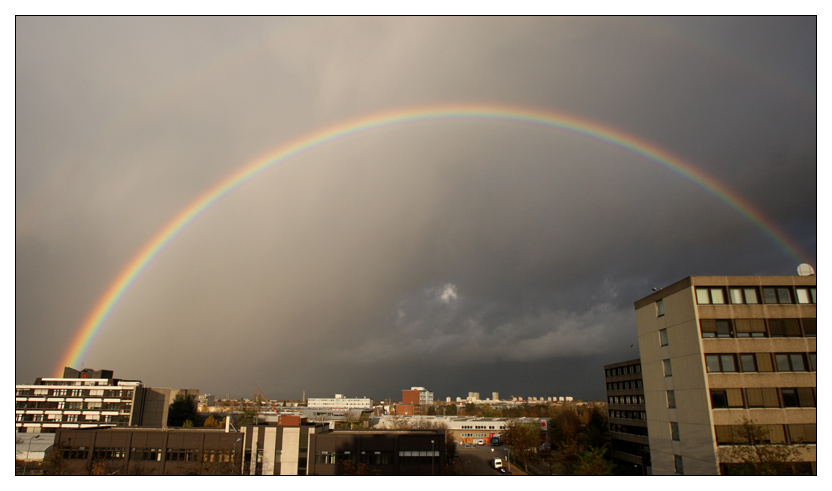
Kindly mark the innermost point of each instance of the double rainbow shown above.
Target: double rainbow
(557, 121)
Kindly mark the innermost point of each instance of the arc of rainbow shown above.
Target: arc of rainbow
(560, 121)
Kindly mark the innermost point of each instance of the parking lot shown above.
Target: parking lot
(473, 461)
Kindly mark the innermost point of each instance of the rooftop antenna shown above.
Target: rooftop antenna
(805, 270)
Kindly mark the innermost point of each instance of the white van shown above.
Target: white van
(496, 463)
(479, 441)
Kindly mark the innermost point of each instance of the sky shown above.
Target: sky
(461, 254)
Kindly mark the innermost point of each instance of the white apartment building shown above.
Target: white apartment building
(340, 402)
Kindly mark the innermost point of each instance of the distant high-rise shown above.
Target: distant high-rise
(717, 351)
(495, 396)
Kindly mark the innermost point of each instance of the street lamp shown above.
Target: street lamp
(29, 450)
(432, 457)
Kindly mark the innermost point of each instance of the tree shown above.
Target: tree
(450, 410)
(54, 463)
(755, 454)
(591, 462)
(211, 422)
(596, 433)
(522, 438)
(183, 408)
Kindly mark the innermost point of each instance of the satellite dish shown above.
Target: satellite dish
(805, 270)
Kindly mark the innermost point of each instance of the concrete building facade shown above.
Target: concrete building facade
(90, 399)
(629, 444)
(340, 402)
(719, 350)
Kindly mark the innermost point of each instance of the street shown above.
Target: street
(474, 461)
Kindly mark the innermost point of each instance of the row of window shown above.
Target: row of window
(473, 435)
(758, 328)
(105, 406)
(772, 295)
(611, 372)
(629, 430)
(627, 384)
(374, 458)
(75, 393)
(761, 362)
(625, 399)
(470, 427)
(148, 454)
(769, 434)
(631, 448)
(71, 418)
(763, 397)
(639, 415)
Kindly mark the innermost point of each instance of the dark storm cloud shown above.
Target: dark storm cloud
(458, 255)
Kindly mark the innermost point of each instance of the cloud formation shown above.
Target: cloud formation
(459, 255)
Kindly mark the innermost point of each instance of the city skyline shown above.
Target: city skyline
(464, 204)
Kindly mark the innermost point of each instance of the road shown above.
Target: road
(474, 461)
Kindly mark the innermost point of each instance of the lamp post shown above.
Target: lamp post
(26, 462)
(432, 457)
(508, 459)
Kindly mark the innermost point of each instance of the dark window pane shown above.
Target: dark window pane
(790, 398)
(770, 295)
(723, 328)
(712, 361)
(810, 327)
(776, 327)
(719, 399)
(784, 295)
(747, 361)
(806, 397)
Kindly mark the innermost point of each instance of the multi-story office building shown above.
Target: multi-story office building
(340, 402)
(88, 399)
(717, 351)
(418, 396)
(629, 444)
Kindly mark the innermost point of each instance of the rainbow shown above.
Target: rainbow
(553, 120)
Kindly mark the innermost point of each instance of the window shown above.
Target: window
(810, 327)
(766, 397)
(799, 397)
(721, 363)
(674, 431)
(707, 296)
(790, 362)
(667, 369)
(777, 295)
(803, 433)
(780, 328)
(660, 308)
(813, 358)
(671, 399)
(805, 295)
(750, 328)
(725, 398)
(716, 328)
(744, 295)
(677, 461)
(663, 337)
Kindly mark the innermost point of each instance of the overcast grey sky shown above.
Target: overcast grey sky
(463, 255)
